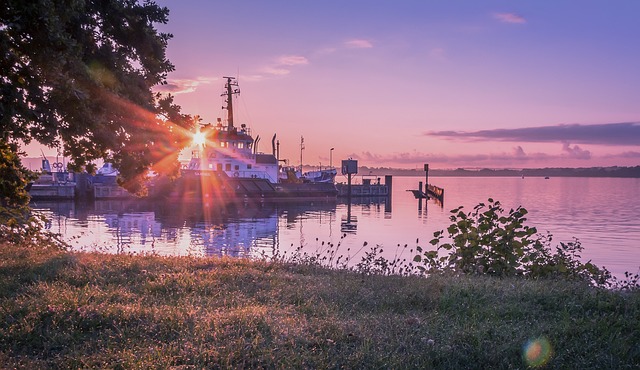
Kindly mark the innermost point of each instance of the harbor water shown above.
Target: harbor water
(602, 213)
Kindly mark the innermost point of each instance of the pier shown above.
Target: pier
(370, 187)
(430, 191)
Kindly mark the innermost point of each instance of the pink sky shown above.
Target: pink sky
(454, 84)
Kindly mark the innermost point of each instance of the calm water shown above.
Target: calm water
(604, 214)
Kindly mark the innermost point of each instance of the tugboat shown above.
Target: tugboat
(226, 164)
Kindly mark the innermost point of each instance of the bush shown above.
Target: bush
(488, 241)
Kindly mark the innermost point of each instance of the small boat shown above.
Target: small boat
(327, 175)
(107, 169)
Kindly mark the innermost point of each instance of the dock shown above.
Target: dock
(430, 191)
(368, 188)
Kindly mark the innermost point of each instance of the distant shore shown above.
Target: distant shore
(35, 164)
(617, 172)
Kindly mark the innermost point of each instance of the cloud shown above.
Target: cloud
(358, 44)
(326, 50)
(518, 152)
(283, 64)
(516, 156)
(276, 71)
(184, 86)
(629, 154)
(576, 152)
(292, 60)
(509, 18)
(613, 134)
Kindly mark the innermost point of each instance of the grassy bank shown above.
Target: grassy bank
(71, 310)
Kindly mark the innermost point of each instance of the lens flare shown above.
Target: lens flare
(198, 138)
(537, 352)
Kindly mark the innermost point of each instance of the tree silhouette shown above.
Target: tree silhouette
(79, 75)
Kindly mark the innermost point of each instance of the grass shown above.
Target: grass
(79, 310)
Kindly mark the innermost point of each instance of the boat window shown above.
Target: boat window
(241, 145)
(227, 167)
(237, 167)
(219, 166)
(210, 166)
(248, 166)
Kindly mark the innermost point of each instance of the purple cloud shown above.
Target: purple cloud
(509, 18)
(184, 86)
(358, 44)
(576, 152)
(613, 134)
(517, 155)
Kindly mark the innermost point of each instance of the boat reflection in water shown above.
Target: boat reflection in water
(237, 229)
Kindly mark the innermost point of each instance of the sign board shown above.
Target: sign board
(349, 167)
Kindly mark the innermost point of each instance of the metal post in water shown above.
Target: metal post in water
(426, 175)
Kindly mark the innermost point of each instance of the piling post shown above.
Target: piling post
(389, 183)
(426, 175)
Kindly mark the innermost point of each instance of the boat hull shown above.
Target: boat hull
(217, 185)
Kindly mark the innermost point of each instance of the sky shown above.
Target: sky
(472, 84)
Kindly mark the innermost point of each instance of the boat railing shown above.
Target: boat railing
(225, 128)
(253, 175)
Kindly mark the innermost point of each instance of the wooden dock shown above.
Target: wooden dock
(435, 192)
(368, 188)
(431, 192)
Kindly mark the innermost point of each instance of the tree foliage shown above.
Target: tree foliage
(79, 74)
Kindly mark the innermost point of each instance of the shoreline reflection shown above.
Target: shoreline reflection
(236, 229)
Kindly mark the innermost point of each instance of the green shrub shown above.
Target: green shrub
(488, 241)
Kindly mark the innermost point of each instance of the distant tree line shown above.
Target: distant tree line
(622, 172)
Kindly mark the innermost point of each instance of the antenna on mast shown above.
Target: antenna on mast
(301, 149)
(231, 89)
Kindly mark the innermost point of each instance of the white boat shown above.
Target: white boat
(327, 175)
(107, 169)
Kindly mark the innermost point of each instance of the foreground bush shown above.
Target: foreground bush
(489, 241)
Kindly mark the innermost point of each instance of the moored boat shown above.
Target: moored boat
(57, 184)
(227, 165)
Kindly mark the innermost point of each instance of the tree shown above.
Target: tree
(79, 74)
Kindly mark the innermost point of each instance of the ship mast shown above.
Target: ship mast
(232, 89)
(301, 149)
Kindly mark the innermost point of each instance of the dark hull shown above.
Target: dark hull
(213, 185)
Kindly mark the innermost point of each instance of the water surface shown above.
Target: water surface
(603, 213)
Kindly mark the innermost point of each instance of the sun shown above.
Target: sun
(198, 138)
